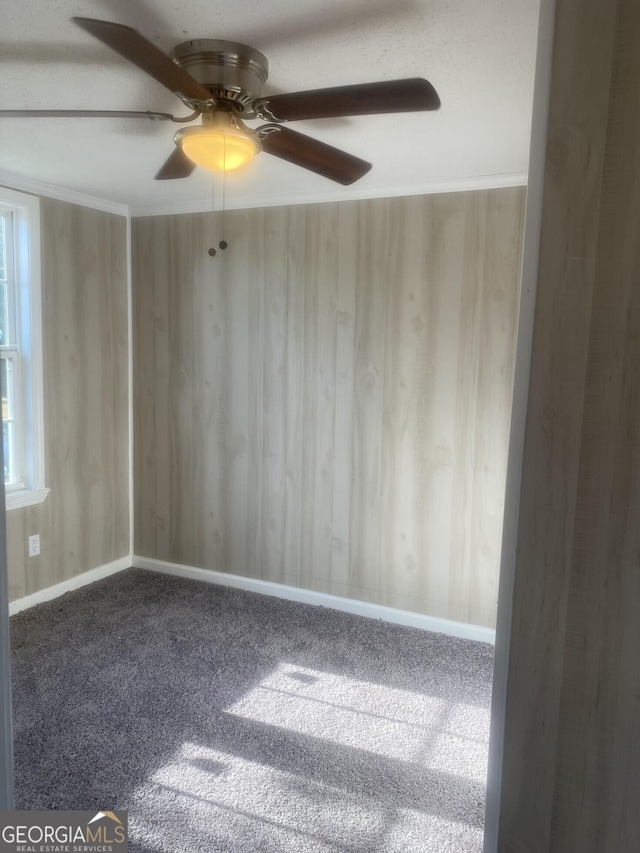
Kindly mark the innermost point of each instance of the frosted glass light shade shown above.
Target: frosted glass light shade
(220, 144)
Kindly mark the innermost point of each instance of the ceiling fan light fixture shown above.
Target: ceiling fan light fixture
(222, 143)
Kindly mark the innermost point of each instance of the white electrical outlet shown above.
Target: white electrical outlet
(34, 545)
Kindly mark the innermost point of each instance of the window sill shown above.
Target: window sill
(25, 497)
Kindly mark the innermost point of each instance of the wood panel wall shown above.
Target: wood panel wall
(84, 521)
(326, 403)
(572, 739)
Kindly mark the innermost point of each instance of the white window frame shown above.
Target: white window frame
(28, 329)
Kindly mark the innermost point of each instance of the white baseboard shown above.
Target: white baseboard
(322, 599)
(67, 586)
(290, 593)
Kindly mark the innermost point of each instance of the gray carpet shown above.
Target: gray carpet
(227, 721)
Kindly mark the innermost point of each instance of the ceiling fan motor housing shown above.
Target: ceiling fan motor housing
(231, 71)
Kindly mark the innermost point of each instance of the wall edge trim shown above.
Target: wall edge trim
(76, 582)
(39, 188)
(336, 194)
(203, 205)
(321, 599)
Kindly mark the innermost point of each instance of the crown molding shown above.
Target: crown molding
(454, 185)
(39, 188)
(241, 202)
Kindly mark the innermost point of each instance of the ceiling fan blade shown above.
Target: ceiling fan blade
(313, 155)
(177, 165)
(86, 114)
(391, 96)
(134, 47)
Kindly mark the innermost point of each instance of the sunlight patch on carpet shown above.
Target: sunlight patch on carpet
(234, 803)
(223, 797)
(399, 724)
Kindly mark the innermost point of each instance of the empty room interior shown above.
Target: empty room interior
(257, 421)
(293, 387)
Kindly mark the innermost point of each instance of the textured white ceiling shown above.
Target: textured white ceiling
(480, 57)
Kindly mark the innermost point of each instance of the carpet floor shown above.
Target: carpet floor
(223, 720)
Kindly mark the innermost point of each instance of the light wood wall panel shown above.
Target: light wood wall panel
(571, 739)
(326, 403)
(84, 521)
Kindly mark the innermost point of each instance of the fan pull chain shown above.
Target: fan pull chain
(212, 251)
(223, 243)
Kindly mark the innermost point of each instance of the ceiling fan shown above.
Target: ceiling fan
(220, 81)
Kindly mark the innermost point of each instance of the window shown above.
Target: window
(21, 349)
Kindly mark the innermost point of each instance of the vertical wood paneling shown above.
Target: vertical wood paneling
(466, 550)
(343, 370)
(295, 408)
(156, 445)
(255, 273)
(368, 399)
(320, 330)
(210, 392)
(84, 521)
(185, 255)
(583, 48)
(405, 368)
(444, 281)
(492, 411)
(274, 394)
(597, 783)
(343, 426)
(235, 288)
(572, 733)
